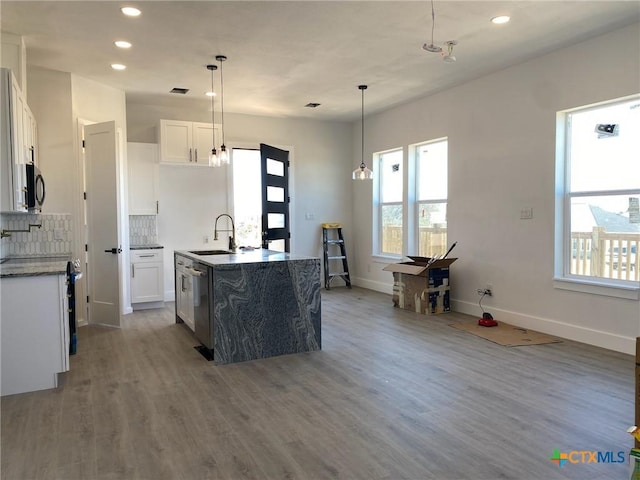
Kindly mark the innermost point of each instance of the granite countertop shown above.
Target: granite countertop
(151, 246)
(34, 265)
(239, 257)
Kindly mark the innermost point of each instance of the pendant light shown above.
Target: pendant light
(224, 155)
(362, 172)
(214, 161)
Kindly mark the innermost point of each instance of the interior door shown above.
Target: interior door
(276, 233)
(103, 225)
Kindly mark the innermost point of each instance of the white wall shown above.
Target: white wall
(501, 131)
(191, 197)
(58, 100)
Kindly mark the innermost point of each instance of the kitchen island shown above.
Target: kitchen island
(248, 305)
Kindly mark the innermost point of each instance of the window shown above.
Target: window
(390, 201)
(410, 200)
(600, 181)
(431, 195)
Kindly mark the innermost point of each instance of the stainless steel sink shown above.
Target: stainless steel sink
(210, 252)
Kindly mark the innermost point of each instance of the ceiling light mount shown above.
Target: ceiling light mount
(449, 57)
(432, 47)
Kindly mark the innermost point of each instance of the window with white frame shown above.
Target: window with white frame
(389, 211)
(431, 197)
(599, 177)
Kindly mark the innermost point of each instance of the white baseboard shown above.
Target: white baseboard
(127, 310)
(577, 333)
(147, 305)
(170, 296)
(372, 285)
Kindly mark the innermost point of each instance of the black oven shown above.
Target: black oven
(35, 189)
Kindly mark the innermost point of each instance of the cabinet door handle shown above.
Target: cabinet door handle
(133, 271)
(190, 155)
(182, 283)
(147, 256)
(157, 207)
(196, 156)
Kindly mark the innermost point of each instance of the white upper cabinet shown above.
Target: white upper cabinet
(19, 139)
(186, 143)
(144, 178)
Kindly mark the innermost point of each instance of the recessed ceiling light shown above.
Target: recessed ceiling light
(122, 44)
(118, 66)
(210, 94)
(501, 19)
(130, 11)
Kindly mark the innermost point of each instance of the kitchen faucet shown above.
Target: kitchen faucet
(232, 238)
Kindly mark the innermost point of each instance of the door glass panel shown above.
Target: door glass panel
(275, 220)
(274, 167)
(247, 196)
(277, 245)
(275, 194)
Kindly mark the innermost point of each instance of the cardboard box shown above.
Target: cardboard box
(421, 286)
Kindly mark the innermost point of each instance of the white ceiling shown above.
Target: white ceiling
(283, 55)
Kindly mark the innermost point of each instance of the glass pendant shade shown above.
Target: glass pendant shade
(224, 155)
(214, 160)
(362, 173)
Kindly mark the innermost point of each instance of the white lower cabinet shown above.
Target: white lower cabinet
(147, 282)
(35, 332)
(184, 291)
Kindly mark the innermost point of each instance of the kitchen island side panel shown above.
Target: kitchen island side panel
(263, 310)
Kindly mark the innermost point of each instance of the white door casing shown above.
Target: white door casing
(103, 223)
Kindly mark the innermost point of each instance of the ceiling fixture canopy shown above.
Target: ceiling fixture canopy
(214, 161)
(433, 48)
(224, 155)
(362, 172)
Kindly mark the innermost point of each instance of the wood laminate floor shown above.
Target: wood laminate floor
(392, 395)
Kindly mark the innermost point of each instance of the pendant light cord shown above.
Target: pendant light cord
(433, 21)
(362, 165)
(222, 100)
(213, 113)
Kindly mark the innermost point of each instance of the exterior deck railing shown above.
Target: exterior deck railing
(597, 253)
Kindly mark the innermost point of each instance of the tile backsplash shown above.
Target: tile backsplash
(53, 237)
(143, 230)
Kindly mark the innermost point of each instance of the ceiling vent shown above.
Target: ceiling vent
(312, 105)
(179, 90)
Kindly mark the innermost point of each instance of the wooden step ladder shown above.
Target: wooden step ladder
(332, 237)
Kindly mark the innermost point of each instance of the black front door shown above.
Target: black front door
(276, 233)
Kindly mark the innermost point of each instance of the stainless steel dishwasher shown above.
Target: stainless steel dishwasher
(202, 290)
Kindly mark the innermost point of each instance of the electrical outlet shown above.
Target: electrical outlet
(489, 288)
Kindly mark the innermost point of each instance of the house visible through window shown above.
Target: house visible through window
(601, 181)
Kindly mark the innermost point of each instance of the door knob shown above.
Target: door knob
(114, 250)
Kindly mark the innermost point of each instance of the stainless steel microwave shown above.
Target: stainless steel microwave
(35, 191)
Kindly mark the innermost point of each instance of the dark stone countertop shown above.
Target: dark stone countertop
(243, 257)
(152, 246)
(34, 265)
